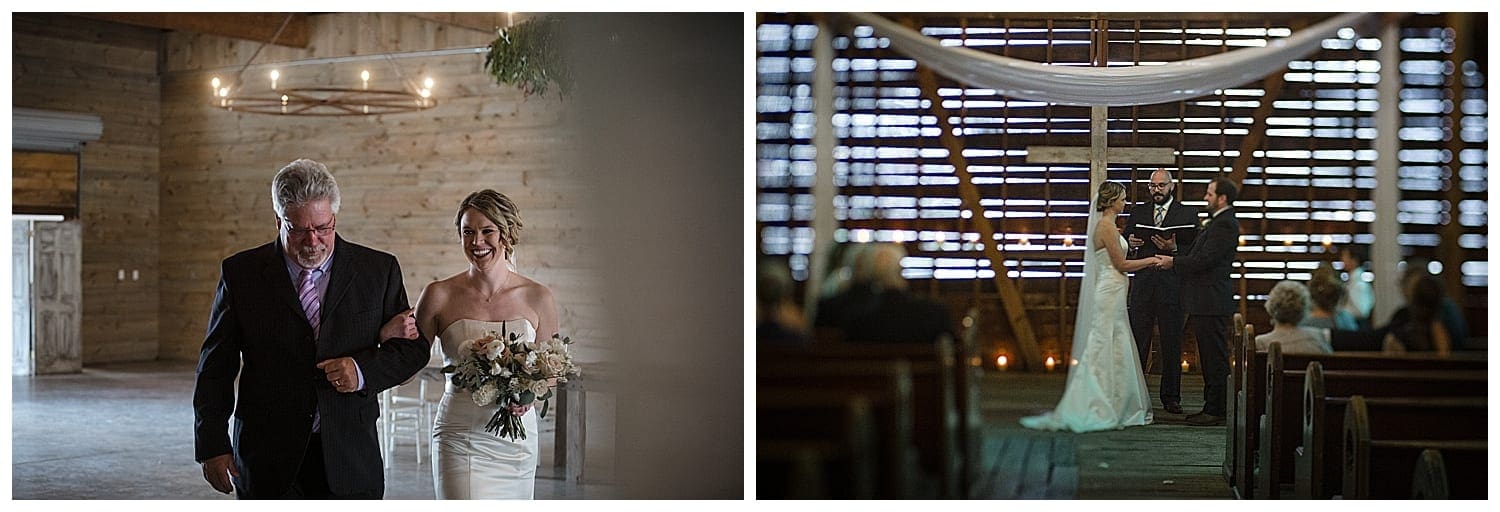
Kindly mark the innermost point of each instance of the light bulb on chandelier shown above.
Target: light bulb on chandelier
(282, 98)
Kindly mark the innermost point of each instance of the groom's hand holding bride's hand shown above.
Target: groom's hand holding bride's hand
(402, 326)
(1163, 262)
(217, 471)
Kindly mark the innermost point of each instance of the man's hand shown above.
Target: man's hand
(1164, 261)
(1166, 244)
(341, 373)
(402, 326)
(217, 471)
(1134, 242)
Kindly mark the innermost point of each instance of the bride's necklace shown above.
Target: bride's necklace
(492, 293)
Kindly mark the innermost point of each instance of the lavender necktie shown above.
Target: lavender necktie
(307, 293)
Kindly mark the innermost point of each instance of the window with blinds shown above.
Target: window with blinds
(1307, 191)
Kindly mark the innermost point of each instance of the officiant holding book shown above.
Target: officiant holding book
(1156, 294)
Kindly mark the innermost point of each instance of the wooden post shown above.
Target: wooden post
(567, 449)
(1448, 250)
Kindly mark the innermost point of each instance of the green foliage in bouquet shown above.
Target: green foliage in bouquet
(527, 56)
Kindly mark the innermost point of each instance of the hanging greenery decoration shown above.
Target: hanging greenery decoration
(527, 56)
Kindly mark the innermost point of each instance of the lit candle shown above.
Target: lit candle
(1067, 241)
(274, 75)
(1002, 362)
(215, 83)
(1051, 363)
(1327, 242)
(1074, 363)
(1184, 366)
(365, 77)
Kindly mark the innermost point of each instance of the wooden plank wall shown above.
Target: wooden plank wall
(44, 183)
(70, 64)
(401, 174)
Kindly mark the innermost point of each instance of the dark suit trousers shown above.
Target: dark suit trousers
(1167, 319)
(1212, 332)
(312, 477)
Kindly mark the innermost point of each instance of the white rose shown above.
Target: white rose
(486, 394)
(539, 387)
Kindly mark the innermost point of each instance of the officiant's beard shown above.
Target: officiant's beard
(1159, 198)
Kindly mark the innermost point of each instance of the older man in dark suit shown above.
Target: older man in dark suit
(1209, 294)
(301, 322)
(1156, 293)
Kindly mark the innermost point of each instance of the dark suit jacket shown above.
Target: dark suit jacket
(1204, 267)
(258, 333)
(1154, 286)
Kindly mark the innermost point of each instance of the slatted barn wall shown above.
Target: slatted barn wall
(1310, 181)
(109, 70)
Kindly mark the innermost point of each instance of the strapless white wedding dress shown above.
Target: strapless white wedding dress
(1107, 389)
(467, 462)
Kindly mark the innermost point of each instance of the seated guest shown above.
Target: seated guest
(891, 313)
(1418, 326)
(777, 318)
(1287, 304)
(846, 287)
(1448, 312)
(1326, 290)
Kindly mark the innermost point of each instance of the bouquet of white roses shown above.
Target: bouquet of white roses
(500, 368)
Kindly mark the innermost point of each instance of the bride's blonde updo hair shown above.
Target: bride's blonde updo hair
(500, 210)
(1109, 192)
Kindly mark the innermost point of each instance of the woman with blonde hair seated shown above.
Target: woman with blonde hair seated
(1287, 304)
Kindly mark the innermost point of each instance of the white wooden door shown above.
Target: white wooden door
(57, 297)
(20, 297)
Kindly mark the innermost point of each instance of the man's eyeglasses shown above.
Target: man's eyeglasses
(1156, 186)
(303, 232)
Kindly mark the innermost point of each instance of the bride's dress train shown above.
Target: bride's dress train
(467, 462)
(1106, 389)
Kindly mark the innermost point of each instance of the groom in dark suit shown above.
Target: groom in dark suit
(1209, 294)
(299, 322)
(1156, 294)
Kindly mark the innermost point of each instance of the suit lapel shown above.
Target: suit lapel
(281, 283)
(342, 276)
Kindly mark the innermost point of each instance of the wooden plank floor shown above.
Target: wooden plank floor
(1164, 460)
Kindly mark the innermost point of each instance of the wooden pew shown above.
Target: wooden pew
(934, 372)
(1287, 385)
(1383, 437)
(887, 385)
(815, 444)
(1325, 394)
(1245, 412)
(1431, 480)
(1236, 354)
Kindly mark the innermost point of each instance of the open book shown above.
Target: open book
(1165, 230)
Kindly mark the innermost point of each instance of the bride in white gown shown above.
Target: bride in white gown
(467, 462)
(1105, 389)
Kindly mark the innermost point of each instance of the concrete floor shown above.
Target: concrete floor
(93, 435)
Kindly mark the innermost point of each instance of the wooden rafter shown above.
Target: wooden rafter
(1010, 296)
(1257, 136)
(253, 26)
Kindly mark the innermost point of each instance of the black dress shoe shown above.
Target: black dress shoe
(1172, 408)
(1205, 420)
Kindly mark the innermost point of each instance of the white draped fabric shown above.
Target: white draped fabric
(1113, 86)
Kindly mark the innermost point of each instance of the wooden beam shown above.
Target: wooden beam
(487, 22)
(253, 26)
(1448, 251)
(1257, 135)
(1073, 155)
(1010, 296)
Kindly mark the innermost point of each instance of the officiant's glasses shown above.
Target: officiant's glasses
(1156, 186)
(304, 232)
